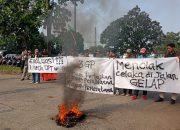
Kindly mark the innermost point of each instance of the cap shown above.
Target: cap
(142, 50)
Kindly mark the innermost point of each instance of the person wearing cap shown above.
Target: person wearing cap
(143, 54)
(170, 53)
(128, 54)
(36, 76)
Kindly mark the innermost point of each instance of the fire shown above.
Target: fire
(68, 117)
(75, 109)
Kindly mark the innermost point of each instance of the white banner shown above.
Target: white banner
(95, 75)
(162, 74)
(99, 75)
(46, 64)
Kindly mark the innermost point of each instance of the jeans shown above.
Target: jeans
(36, 77)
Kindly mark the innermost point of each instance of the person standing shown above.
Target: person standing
(111, 54)
(25, 69)
(24, 52)
(143, 54)
(44, 53)
(170, 53)
(44, 75)
(127, 92)
(36, 76)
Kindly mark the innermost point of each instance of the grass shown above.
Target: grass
(9, 69)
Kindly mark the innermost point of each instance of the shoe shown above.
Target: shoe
(22, 79)
(159, 100)
(133, 97)
(123, 94)
(36, 83)
(144, 97)
(172, 101)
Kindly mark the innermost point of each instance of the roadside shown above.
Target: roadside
(25, 106)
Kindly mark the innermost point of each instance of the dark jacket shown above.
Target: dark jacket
(172, 54)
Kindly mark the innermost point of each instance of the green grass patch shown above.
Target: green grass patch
(9, 69)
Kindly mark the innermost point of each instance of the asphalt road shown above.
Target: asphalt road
(26, 106)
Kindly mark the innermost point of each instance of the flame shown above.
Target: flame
(64, 111)
(75, 109)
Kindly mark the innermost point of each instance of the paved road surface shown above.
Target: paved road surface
(25, 106)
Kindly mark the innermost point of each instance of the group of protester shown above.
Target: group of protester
(143, 54)
(25, 55)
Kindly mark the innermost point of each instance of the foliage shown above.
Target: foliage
(73, 1)
(170, 37)
(134, 30)
(19, 23)
(57, 44)
(66, 43)
(56, 20)
(72, 42)
(100, 49)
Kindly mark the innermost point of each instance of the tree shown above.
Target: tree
(170, 37)
(57, 45)
(57, 18)
(19, 23)
(98, 49)
(71, 45)
(134, 30)
(66, 43)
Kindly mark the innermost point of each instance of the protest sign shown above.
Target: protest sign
(94, 75)
(151, 74)
(100, 75)
(46, 64)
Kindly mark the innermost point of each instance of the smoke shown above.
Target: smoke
(72, 79)
(71, 95)
(95, 13)
(100, 13)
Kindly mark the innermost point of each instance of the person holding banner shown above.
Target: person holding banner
(111, 54)
(170, 53)
(44, 75)
(128, 54)
(36, 76)
(143, 54)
